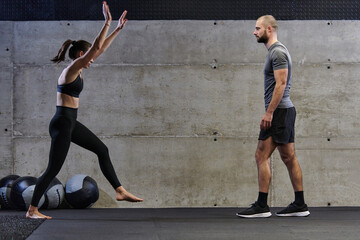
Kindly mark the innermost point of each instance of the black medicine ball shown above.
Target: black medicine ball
(81, 191)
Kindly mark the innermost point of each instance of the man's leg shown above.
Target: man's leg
(298, 208)
(262, 156)
(287, 154)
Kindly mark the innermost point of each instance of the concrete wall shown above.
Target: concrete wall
(179, 105)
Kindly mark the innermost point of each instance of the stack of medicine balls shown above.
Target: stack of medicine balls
(16, 192)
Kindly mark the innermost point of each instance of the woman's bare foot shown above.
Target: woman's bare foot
(34, 213)
(123, 195)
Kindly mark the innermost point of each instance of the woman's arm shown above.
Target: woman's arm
(83, 60)
(111, 37)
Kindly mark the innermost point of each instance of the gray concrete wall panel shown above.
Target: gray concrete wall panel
(147, 100)
(6, 120)
(179, 105)
(191, 42)
(168, 172)
(6, 157)
(6, 97)
(6, 43)
(6, 100)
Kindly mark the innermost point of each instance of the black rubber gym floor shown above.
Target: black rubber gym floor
(186, 224)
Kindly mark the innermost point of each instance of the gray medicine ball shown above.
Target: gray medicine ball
(22, 191)
(54, 194)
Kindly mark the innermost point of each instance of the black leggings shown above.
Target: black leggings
(64, 128)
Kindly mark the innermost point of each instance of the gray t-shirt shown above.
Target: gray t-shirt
(278, 58)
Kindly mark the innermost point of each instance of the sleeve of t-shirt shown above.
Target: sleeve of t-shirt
(279, 60)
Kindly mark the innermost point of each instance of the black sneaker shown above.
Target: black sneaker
(294, 210)
(255, 211)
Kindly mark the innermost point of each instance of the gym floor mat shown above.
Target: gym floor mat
(194, 223)
(15, 227)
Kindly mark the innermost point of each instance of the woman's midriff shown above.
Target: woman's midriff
(67, 101)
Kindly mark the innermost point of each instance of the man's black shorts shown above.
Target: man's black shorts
(282, 128)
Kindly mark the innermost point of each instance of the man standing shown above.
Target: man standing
(277, 124)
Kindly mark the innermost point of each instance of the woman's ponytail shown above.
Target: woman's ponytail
(62, 52)
(80, 45)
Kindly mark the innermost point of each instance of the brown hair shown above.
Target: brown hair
(267, 20)
(80, 45)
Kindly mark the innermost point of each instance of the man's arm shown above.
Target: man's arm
(280, 79)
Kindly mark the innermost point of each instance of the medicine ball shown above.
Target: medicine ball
(54, 194)
(81, 191)
(5, 189)
(22, 191)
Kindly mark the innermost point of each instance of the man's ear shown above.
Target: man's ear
(269, 28)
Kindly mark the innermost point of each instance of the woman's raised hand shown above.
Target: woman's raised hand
(122, 20)
(106, 12)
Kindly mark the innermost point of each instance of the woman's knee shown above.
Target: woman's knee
(102, 150)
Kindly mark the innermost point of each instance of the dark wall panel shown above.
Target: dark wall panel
(25, 10)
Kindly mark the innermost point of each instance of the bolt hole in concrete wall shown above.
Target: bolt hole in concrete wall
(155, 101)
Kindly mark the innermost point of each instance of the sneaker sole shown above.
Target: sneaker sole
(258, 215)
(295, 214)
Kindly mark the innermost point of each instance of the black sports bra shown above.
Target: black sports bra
(73, 89)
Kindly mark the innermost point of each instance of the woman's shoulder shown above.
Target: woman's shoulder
(68, 75)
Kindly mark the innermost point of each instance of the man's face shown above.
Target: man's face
(260, 33)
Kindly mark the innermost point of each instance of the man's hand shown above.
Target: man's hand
(266, 121)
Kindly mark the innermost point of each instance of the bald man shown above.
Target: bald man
(277, 124)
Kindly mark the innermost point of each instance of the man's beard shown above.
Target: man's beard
(263, 39)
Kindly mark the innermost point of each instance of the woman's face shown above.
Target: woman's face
(89, 63)
(81, 53)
